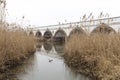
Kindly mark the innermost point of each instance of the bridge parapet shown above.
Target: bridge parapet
(88, 26)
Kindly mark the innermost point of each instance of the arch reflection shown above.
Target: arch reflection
(47, 46)
(59, 47)
(38, 46)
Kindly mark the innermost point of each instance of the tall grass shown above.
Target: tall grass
(95, 55)
(15, 45)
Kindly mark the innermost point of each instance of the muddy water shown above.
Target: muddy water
(45, 64)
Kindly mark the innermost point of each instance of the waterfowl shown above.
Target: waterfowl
(50, 60)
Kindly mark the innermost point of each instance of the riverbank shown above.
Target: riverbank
(96, 55)
(15, 46)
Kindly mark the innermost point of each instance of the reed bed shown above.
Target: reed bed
(95, 55)
(15, 46)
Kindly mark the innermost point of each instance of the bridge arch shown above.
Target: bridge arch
(47, 35)
(38, 34)
(77, 30)
(60, 36)
(103, 28)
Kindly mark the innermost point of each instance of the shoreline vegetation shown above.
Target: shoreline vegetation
(96, 55)
(15, 46)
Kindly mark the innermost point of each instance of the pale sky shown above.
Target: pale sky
(47, 12)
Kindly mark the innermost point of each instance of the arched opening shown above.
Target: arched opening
(103, 28)
(60, 36)
(77, 30)
(47, 35)
(38, 34)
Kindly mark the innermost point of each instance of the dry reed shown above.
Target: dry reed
(95, 55)
(15, 46)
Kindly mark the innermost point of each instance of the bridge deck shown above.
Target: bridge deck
(89, 23)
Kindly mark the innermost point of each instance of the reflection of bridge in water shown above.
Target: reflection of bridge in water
(62, 31)
(50, 49)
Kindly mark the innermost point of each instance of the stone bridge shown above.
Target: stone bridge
(61, 31)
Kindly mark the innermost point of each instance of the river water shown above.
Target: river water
(45, 64)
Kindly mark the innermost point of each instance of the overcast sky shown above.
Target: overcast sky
(46, 12)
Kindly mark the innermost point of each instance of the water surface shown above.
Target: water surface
(45, 64)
